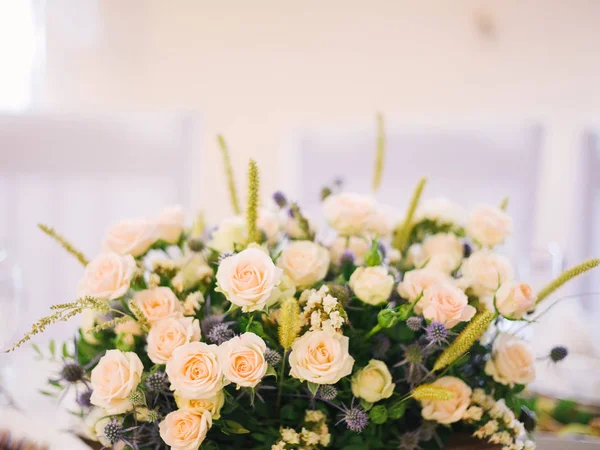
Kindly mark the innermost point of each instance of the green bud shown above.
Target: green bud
(387, 318)
(397, 410)
(378, 414)
(325, 192)
(404, 311)
(374, 257)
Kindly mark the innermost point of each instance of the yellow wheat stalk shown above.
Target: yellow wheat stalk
(139, 315)
(402, 232)
(252, 209)
(289, 322)
(432, 392)
(566, 276)
(64, 243)
(380, 155)
(229, 174)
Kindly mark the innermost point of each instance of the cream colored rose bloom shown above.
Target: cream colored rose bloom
(158, 303)
(373, 382)
(170, 223)
(89, 319)
(381, 220)
(230, 232)
(349, 214)
(107, 277)
(194, 370)
(183, 430)
(512, 361)
(113, 379)
(358, 245)
(514, 300)
(448, 411)
(489, 225)
(270, 224)
(321, 357)
(197, 406)
(168, 334)
(484, 271)
(127, 330)
(293, 228)
(248, 279)
(133, 236)
(304, 262)
(440, 210)
(416, 281)
(372, 285)
(242, 359)
(442, 251)
(446, 304)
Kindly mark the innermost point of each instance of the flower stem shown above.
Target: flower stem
(376, 329)
(281, 377)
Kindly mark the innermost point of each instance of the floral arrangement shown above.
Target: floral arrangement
(262, 333)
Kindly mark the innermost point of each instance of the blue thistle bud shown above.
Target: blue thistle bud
(224, 256)
(436, 333)
(113, 431)
(467, 249)
(272, 357)
(414, 323)
(413, 354)
(137, 398)
(410, 441)
(356, 419)
(558, 353)
(84, 398)
(219, 333)
(72, 372)
(157, 382)
(327, 392)
(280, 199)
(153, 416)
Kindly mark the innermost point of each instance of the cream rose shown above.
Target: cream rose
(168, 334)
(293, 228)
(372, 285)
(484, 271)
(440, 210)
(230, 232)
(134, 237)
(373, 382)
(158, 303)
(270, 224)
(416, 281)
(446, 304)
(127, 330)
(442, 251)
(197, 406)
(489, 225)
(242, 359)
(380, 221)
(514, 299)
(248, 279)
(512, 361)
(170, 223)
(349, 214)
(448, 411)
(116, 375)
(358, 245)
(107, 277)
(304, 262)
(321, 357)
(183, 430)
(194, 370)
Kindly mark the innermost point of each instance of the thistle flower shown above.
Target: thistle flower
(410, 441)
(113, 431)
(558, 353)
(437, 334)
(72, 372)
(355, 418)
(84, 398)
(157, 382)
(196, 245)
(220, 333)
(289, 322)
(137, 398)
(414, 323)
(272, 357)
(414, 357)
(432, 392)
(327, 392)
(280, 199)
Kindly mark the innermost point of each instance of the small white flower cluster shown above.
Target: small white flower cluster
(314, 434)
(322, 311)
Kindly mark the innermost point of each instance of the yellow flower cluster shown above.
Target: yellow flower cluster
(313, 435)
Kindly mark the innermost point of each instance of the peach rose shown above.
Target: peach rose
(514, 299)
(182, 430)
(115, 377)
(168, 334)
(373, 382)
(358, 245)
(197, 406)
(349, 214)
(321, 357)
(242, 359)
(512, 361)
(304, 262)
(134, 237)
(448, 411)
(158, 303)
(170, 223)
(442, 251)
(489, 225)
(229, 233)
(127, 330)
(416, 281)
(372, 285)
(107, 277)
(446, 304)
(484, 271)
(381, 220)
(248, 279)
(194, 370)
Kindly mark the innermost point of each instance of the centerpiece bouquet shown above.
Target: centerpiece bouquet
(261, 333)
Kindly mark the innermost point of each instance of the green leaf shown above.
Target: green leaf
(271, 372)
(52, 347)
(48, 394)
(365, 404)
(313, 388)
(397, 410)
(65, 350)
(37, 350)
(378, 414)
(234, 427)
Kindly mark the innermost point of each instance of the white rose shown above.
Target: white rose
(514, 299)
(358, 245)
(243, 359)
(373, 382)
(448, 411)
(248, 279)
(372, 285)
(512, 361)
(170, 223)
(416, 281)
(183, 430)
(489, 225)
(107, 277)
(293, 228)
(198, 405)
(158, 303)
(484, 271)
(270, 224)
(442, 251)
(115, 377)
(349, 214)
(446, 304)
(168, 334)
(440, 210)
(134, 237)
(304, 262)
(321, 357)
(380, 221)
(230, 232)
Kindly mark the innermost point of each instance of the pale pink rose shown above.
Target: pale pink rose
(358, 245)
(349, 214)
(442, 251)
(116, 375)
(127, 330)
(484, 271)
(446, 304)
(194, 370)
(170, 223)
(416, 281)
(321, 357)
(270, 223)
(448, 411)
(168, 334)
(182, 430)
(230, 233)
(304, 262)
(158, 303)
(212, 404)
(243, 359)
(489, 225)
(248, 279)
(133, 236)
(107, 277)
(514, 300)
(512, 361)
(372, 285)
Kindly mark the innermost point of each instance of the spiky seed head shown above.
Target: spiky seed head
(137, 398)
(153, 416)
(220, 333)
(113, 431)
(356, 419)
(157, 382)
(410, 441)
(436, 333)
(196, 245)
(414, 323)
(84, 398)
(272, 357)
(432, 392)
(327, 392)
(559, 353)
(280, 199)
(72, 372)
(339, 291)
(413, 354)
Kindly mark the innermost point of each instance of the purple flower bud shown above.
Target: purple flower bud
(347, 257)
(280, 199)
